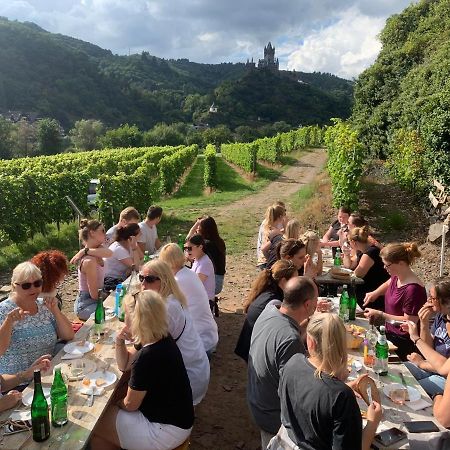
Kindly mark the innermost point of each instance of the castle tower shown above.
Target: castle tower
(269, 61)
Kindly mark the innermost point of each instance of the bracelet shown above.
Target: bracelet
(86, 250)
(417, 340)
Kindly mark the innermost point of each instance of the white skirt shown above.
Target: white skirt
(136, 432)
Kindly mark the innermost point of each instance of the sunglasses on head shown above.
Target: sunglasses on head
(188, 249)
(25, 286)
(148, 278)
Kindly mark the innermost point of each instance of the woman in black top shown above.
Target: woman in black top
(268, 286)
(318, 410)
(368, 265)
(157, 411)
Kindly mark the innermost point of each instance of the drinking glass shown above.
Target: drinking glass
(398, 396)
(378, 368)
(76, 368)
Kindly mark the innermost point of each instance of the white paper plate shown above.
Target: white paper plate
(109, 378)
(27, 398)
(413, 393)
(21, 415)
(75, 349)
(109, 314)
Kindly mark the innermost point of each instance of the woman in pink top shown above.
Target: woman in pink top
(91, 269)
(202, 265)
(404, 294)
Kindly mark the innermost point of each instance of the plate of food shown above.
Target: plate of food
(355, 336)
(341, 273)
(354, 364)
(100, 379)
(78, 347)
(412, 395)
(27, 397)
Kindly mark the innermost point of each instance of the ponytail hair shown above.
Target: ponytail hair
(288, 248)
(359, 234)
(395, 253)
(328, 333)
(292, 230)
(269, 279)
(86, 226)
(273, 213)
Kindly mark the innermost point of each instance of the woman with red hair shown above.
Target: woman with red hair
(54, 267)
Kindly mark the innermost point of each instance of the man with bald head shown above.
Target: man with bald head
(276, 337)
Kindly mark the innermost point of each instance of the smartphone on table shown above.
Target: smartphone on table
(389, 437)
(421, 426)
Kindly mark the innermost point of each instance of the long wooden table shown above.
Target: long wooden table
(404, 412)
(82, 418)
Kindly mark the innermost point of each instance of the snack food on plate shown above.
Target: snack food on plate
(393, 393)
(362, 387)
(86, 381)
(100, 382)
(355, 336)
(340, 273)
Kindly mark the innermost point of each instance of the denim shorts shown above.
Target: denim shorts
(84, 305)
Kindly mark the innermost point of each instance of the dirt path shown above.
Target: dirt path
(222, 419)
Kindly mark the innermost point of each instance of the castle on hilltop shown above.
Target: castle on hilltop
(269, 62)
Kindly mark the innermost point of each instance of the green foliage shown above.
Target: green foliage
(6, 138)
(269, 149)
(172, 167)
(85, 134)
(407, 162)
(163, 134)
(217, 135)
(210, 171)
(124, 136)
(402, 102)
(345, 163)
(243, 155)
(49, 139)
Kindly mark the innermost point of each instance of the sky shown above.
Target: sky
(336, 36)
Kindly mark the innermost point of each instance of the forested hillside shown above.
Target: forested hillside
(402, 102)
(64, 78)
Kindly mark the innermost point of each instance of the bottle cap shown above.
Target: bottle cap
(344, 286)
(57, 366)
(382, 329)
(119, 286)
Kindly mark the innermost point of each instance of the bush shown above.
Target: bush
(243, 155)
(210, 171)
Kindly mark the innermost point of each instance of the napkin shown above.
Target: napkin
(21, 415)
(418, 404)
(72, 356)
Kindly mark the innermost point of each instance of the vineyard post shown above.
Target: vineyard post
(78, 213)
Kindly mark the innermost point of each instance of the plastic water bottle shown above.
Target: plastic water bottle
(117, 299)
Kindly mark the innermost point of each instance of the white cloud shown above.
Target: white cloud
(308, 34)
(344, 48)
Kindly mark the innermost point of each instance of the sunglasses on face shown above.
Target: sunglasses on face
(26, 286)
(148, 278)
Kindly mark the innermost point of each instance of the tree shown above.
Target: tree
(217, 135)
(25, 139)
(124, 136)
(163, 134)
(244, 133)
(85, 134)
(48, 137)
(6, 138)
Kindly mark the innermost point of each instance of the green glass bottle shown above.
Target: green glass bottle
(146, 257)
(99, 316)
(58, 396)
(352, 303)
(40, 422)
(337, 258)
(180, 241)
(381, 353)
(121, 303)
(344, 304)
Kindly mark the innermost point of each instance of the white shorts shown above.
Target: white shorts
(137, 433)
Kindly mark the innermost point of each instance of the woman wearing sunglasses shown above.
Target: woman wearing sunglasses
(194, 291)
(157, 276)
(433, 367)
(30, 327)
(202, 265)
(157, 411)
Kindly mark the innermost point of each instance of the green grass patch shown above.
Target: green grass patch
(394, 221)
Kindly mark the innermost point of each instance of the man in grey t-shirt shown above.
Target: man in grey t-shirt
(276, 337)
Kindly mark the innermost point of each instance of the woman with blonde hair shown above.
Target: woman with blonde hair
(157, 276)
(195, 293)
(267, 287)
(404, 294)
(30, 327)
(157, 411)
(318, 410)
(274, 222)
(291, 231)
(367, 265)
(313, 249)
